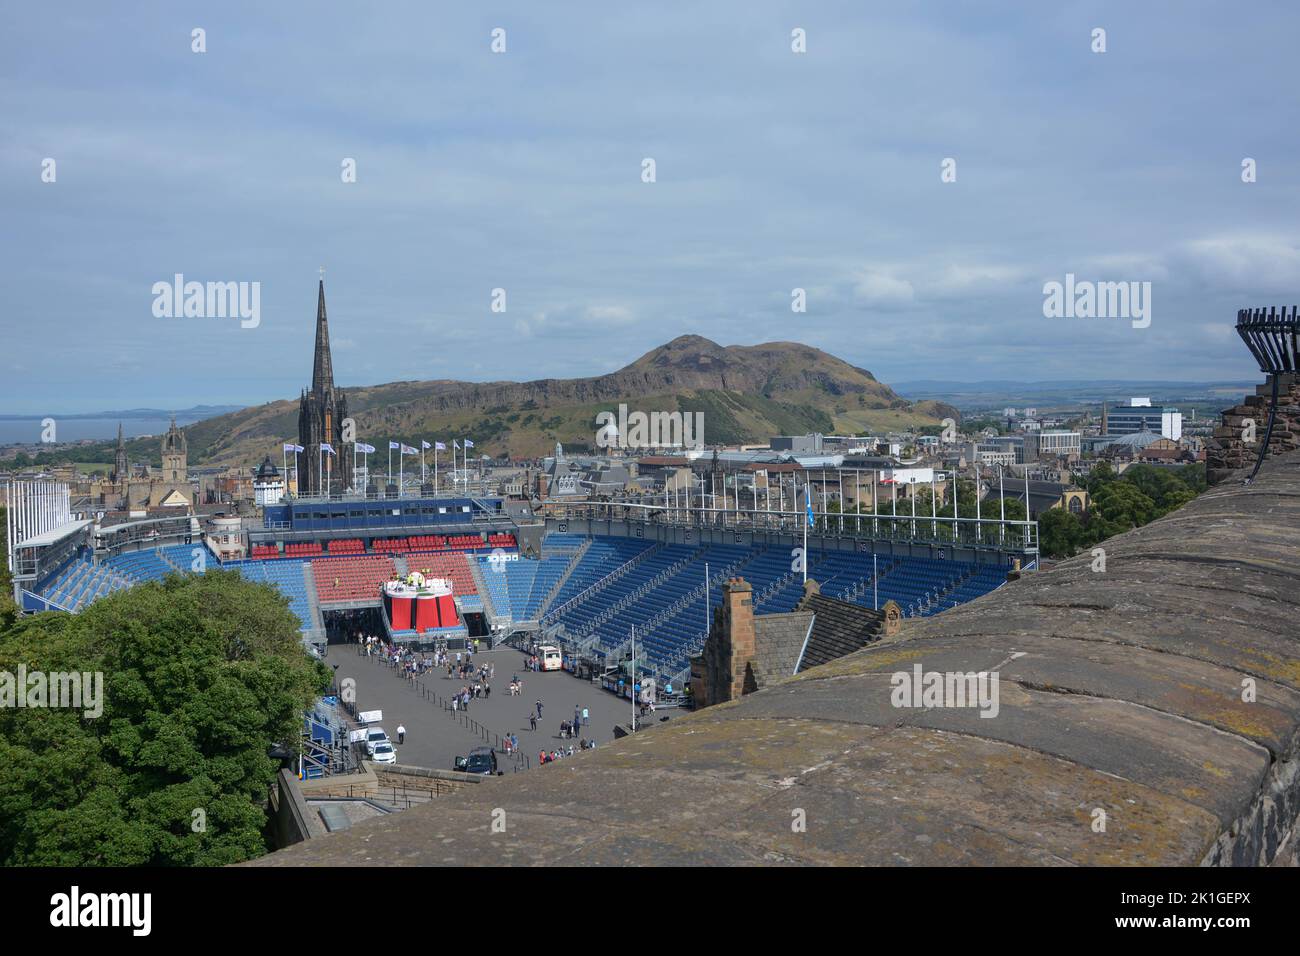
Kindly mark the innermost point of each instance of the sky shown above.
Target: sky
(522, 170)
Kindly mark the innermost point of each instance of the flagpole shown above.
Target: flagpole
(401, 469)
(390, 463)
(320, 467)
(807, 493)
(1024, 531)
(1002, 501)
(954, 509)
(435, 467)
(857, 500)
(911, 488)
(934, 509)
(424, 477)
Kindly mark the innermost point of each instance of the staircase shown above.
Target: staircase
(550, 595)
(313, 600)
(598, 586)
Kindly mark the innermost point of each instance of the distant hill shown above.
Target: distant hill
(747, 394)
(192, 413)
(1009, 392)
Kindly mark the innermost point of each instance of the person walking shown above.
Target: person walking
(401, 734)
(532, 721)
(539, 710)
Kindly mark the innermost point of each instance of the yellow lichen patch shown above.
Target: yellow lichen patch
(1286, 671)
(1227, 711)
(865, 662)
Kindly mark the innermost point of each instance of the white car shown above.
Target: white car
(383, 752)
(374, 737)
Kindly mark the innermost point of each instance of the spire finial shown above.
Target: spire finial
(322, 273)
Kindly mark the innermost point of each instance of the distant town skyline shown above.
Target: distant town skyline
(523, 171)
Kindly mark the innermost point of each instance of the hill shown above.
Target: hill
(747, 394)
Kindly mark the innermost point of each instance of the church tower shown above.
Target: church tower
(174, 455)
(121, 470)
(320, 418)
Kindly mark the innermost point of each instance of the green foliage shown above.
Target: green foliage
(1060, 533)
(1119, 503)
(202, 675)
(8, 609)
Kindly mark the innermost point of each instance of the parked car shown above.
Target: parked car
(383, 752)
(374, 736)
(480, 760)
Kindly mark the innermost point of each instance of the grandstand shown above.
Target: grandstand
(585, 583)
(667, 591)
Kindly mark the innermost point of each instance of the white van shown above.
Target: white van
(550, 657)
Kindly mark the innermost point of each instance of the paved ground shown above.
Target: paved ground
(434, 737)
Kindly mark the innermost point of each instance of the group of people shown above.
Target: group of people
(553, 755)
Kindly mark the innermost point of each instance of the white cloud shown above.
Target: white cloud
(1249, 263)
(882, 291)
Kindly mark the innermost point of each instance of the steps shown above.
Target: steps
(313, 599)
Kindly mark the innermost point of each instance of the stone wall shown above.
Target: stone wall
(1229, 455)
(289, 811)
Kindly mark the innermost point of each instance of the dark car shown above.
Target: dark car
(481, 760)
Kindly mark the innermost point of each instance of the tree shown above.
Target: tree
(1060, 533)
(1118, 506)
(201, 676)
(8, 609)
(1102, 474)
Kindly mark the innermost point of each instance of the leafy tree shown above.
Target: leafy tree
(8, 609)
(201, 676)
(1102, 474)
(1117, 507)
(1060, 533)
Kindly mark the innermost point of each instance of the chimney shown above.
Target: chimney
(738, 628)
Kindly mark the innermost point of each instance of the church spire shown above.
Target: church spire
(322, 372)
(120, 466)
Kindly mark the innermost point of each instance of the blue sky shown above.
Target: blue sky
(522, 171)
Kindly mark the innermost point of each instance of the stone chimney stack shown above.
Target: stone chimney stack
(738, 622)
